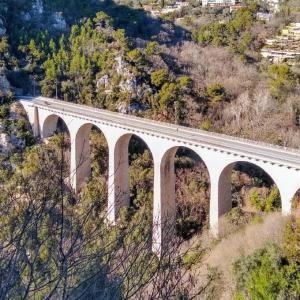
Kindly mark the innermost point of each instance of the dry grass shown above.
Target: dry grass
(241, 243)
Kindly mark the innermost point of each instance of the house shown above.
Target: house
(284, 47)
(221, 3)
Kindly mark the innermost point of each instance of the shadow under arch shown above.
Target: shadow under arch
(185, 184)
(83, 145)
(54, 124)
(251, 175)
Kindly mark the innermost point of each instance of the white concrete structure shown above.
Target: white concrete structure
(219, 153)
(218, 2)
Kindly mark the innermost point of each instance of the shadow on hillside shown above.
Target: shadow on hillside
(140, 24)
(137, 23)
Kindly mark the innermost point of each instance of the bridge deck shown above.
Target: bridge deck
(221, 142)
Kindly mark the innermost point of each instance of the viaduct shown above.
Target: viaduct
(219, 153)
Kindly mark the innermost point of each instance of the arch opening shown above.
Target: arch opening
(192, 190)
(56, 136)
(141, 176)
(54, 125)
(91, 156)
(246, 191)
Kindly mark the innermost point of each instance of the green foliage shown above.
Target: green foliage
(268, 203)
(235, 215)
(236, 33)
(135, 56)
(191, 259)
(215, 93)
(185, 81)
(167, 95)
(266, 275)
(292, 239)
(205, 124)
(152, 48)
(159, 77)
(281, 80)
(4, 47)
(4, 111)
(141, 180)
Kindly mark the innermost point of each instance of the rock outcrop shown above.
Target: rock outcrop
(2, 28)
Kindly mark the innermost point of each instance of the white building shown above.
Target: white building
(218, 2)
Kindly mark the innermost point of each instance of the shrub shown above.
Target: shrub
(185, 81)
(292, 239)
(4, 111)
(152, 48)
(281, 79)
(135, 56)
(159, 77)
(215, 93)
(266, 275)
(192, 258)
(266, 203)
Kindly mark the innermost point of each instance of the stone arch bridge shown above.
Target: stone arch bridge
(218, 152)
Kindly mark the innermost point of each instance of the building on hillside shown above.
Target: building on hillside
(235, 7)
(285, 47)
(216, 3)
(177, 6)
(263, 16)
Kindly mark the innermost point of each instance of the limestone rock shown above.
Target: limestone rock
(2, 28)
(38, 8)
(4, 84)
(59, 22)
(6, 146)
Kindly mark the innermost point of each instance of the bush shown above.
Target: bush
(135, 56)
(185, 81)
(266, 203)
(159, 77)
(4, 111)
(192, 258)
(215, 93)
(292, 239)
(152, 48)
(266, 274)
(281, 79)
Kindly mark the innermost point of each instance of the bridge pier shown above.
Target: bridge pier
(164, 206)
(80, 156)
(220, 196)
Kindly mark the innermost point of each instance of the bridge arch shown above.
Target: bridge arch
(170, 211)
(53, 123)
(82, 167)
(253, 176)
(120, 159)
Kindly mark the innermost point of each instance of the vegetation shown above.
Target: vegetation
(271, 272)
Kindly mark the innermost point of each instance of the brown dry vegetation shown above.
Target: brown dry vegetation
(249, 111)
(220, 254)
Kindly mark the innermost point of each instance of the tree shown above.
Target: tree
(159, 77)
(215, 93)
(281, 80)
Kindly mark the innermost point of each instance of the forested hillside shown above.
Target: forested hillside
(206, 73)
